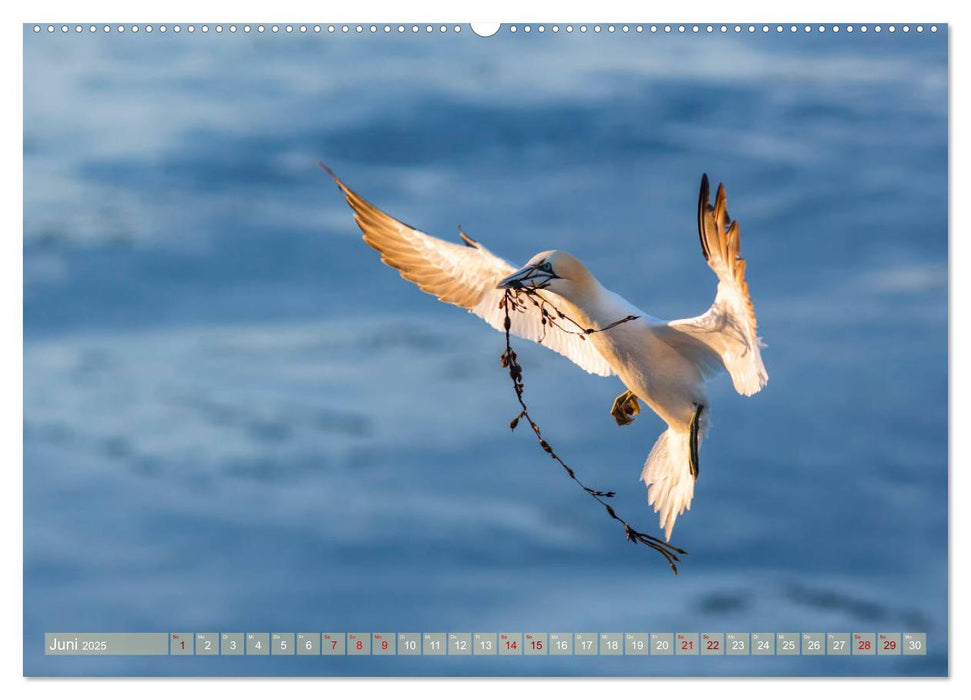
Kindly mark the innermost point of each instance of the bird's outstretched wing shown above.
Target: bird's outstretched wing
(466, 275)
(728, 328)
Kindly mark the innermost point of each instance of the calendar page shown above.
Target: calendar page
(589, 349)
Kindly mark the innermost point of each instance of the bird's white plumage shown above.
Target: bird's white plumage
(670, 484)
(466, 275)
(663, 363)
(729, 326)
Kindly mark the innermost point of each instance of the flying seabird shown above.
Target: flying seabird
(663, 363)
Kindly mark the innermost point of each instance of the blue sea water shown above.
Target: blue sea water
(237, 419)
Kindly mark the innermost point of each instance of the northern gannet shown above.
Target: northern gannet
(663, 363)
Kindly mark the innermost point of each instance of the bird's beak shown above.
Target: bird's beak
(518, 279)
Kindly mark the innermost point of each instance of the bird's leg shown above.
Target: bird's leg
(693, 442)
(625, 406)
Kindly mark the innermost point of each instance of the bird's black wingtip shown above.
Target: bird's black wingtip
(323, 166)
(467, 239)
(704, 195)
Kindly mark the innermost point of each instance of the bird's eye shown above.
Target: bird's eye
(547, 267)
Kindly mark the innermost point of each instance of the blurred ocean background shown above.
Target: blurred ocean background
(236, 419)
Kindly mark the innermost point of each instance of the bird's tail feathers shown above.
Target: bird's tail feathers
(667, 474)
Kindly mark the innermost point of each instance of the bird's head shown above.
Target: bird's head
(555, 270)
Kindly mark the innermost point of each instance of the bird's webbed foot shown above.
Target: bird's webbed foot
(625, 408)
